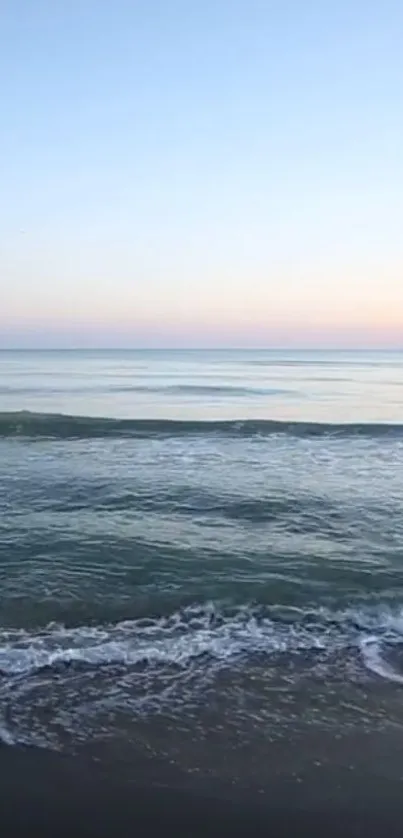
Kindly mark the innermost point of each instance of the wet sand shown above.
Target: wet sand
(43, 793)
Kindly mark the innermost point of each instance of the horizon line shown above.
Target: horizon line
(324, 348)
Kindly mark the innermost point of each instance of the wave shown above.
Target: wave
(201, 390)
(218, 390)
(64, 426)
(206, 632)
(63, 685)
(371, 649)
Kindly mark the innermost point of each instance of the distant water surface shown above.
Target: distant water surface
(299, 386)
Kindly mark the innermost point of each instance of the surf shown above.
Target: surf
(64, 426)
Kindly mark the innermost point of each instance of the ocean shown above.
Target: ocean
(201, 557)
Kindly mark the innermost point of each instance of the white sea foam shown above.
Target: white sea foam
(83, 682)
(203, 632)
(371, 648)
(175, 640)
(6, 736)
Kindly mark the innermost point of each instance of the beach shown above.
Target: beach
(48, 794)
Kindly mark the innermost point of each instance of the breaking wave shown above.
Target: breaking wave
(63, 426)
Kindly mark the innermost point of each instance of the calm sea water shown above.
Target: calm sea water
(199, 546)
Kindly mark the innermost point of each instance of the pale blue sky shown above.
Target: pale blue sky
(202, 173)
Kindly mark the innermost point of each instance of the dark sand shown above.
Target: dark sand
(50, 794)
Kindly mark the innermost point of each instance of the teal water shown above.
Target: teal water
(181, 528)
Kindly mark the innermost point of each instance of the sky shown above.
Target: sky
(215, 173)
